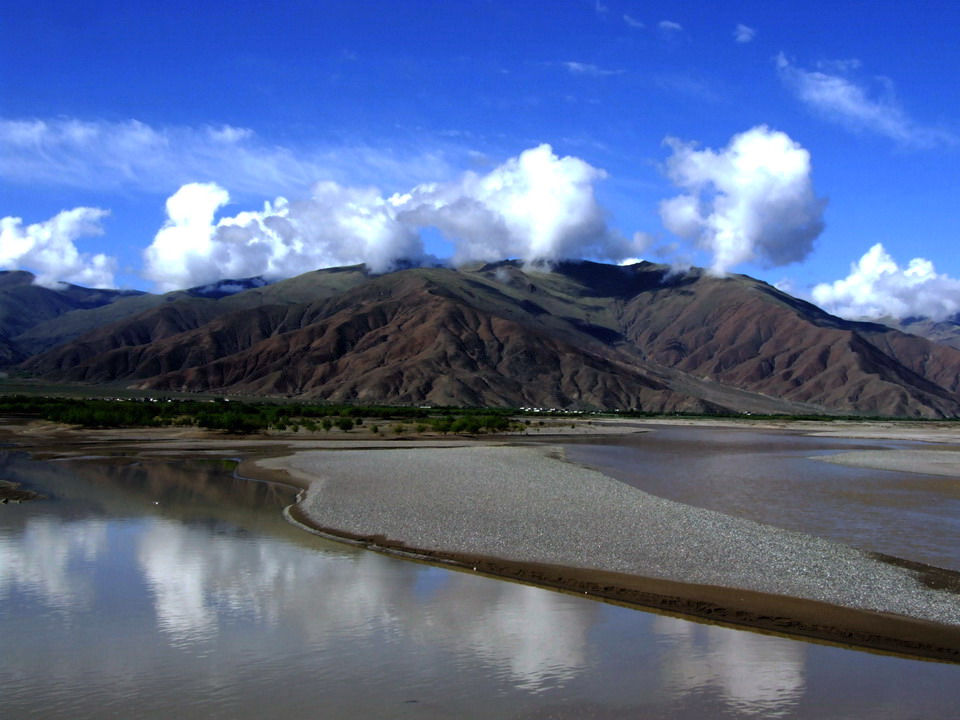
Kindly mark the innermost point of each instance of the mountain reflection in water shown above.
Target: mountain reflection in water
(158, 590)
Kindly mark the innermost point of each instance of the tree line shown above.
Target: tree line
(247, 417)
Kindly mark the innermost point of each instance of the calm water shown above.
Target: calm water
(768, 477)
(174, 590)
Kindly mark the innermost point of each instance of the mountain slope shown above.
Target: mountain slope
(942, 332)
(584, 335)
(24, 305)
(141, 318)
(741, 332)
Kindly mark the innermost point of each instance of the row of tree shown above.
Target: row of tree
(246, 417)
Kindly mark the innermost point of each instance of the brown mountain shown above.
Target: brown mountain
(25, 305)
(942, 332)
(584, 335)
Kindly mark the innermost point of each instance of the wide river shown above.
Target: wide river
(175, 590)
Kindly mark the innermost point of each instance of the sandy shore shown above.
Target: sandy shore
(524, 512)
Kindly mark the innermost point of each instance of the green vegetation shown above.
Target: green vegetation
(248, 417)
(242, 416)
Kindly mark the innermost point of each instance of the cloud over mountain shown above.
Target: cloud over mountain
(48, 248)
(536, 206)
(878, 287)
(753, 201)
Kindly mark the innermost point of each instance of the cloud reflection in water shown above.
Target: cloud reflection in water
(51, 560)
(198, 581)
(756, 674)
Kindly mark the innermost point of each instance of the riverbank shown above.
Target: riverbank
(602, 537)
(526, 514)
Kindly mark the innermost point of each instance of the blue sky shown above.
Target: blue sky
(139, 142)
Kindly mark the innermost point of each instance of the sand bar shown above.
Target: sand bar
(525, 513)
(924, 461)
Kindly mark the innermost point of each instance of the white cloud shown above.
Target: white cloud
(133, 155)
(336, 226)
(753, 201)
(537, 207)
(841, 100)
(633, 22)
(578, 68)
(669, 26)
(48, 248)
(878, 287)
(743, 34)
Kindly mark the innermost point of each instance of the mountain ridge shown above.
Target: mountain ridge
(580, 335)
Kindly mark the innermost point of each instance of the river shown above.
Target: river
(174, 589)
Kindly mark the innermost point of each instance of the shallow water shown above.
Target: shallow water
(769, 477)
(175, 590)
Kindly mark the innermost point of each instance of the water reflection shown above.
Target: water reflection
(755, 674)
(538, 638)
(206, 606)
(51, 559)
(196, 581)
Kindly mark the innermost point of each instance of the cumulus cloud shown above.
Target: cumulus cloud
(48, 248)
(878, 287)
(133, 155)
(537, 206)
(829, 92)
(753, 201)
(336, 226)
(743, 34)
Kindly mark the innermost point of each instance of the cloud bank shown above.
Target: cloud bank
(829, 92)
(48, 248)
(537, 207)
(753, 201)
(878, 287)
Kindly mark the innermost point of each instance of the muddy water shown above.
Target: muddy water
(175, 590)
(768, 477)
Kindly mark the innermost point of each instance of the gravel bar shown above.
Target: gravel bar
(528, 504)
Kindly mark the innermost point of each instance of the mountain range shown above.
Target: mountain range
(578, 335)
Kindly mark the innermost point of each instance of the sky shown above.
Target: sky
(812, 145)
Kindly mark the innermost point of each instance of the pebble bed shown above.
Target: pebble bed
(529, 505)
